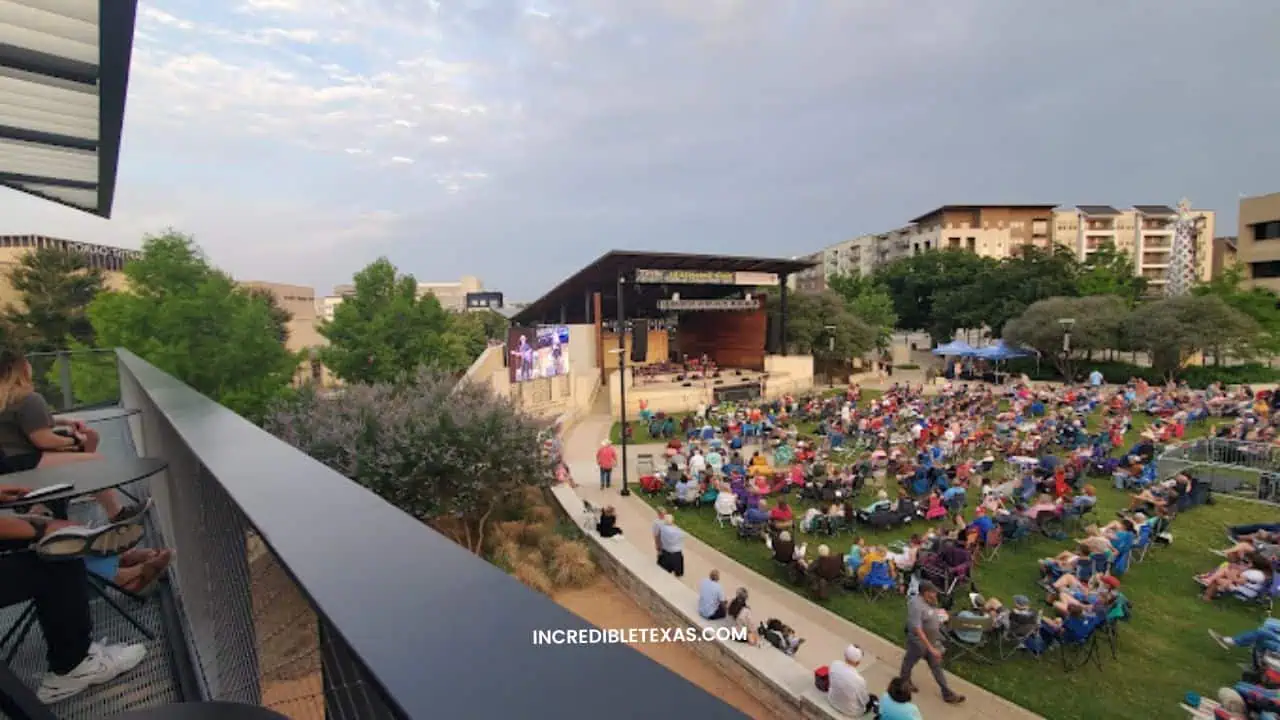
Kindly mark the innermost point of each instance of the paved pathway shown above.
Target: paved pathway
(826, 634)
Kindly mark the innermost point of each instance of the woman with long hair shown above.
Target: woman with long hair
(31, 437)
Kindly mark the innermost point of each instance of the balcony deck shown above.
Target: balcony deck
(151, 684)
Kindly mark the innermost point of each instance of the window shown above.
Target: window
(1270, 269)
(972, 244)
(1267, 230)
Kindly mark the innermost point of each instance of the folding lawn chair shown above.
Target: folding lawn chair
(968, 636)
(878, 581)
(990, 549)
(1022, 633)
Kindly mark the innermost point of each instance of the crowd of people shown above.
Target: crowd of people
(936, 457)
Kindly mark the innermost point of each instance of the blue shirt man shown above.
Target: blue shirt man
(984, 525)
(952, 494)
(1095, 378)
(711, 602)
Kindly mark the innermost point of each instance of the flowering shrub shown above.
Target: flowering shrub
(451, 455)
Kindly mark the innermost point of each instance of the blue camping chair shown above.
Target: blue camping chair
(1120, 565)
(1143, 543)
(878, 580)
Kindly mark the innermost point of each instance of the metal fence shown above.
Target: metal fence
(1232, 466)
(245, 629)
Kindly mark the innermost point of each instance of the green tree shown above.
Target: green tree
(917, 284)
(384, 331)
(1258, 303)
(1108, 271)
(280, 317)
(1098, 322)
(192, 320)
(475, 329)
(821, 324)
(1174, 329)
(56, 287)
(1004, 290)
(870, 302)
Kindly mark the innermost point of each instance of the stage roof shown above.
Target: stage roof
(64, 74)
(604, 272)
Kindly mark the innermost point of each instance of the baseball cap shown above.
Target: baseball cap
(853, 654)
(1021, 601)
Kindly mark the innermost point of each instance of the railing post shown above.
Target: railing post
(64, 379)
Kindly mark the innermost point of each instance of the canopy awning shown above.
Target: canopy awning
(1001, 351)
(957, 348)
(64, 74)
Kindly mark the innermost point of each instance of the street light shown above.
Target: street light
(622, 380)
(1067, 324)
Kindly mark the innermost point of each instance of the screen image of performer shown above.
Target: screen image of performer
(557, 356)
(524, 353)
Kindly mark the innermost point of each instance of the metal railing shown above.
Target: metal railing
(76, 379)
(1229, 465)
(299, 590)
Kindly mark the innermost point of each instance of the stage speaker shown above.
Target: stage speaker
(639, 341)
(773, 337)
(688, 384)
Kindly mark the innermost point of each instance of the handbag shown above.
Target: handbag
(822, 678)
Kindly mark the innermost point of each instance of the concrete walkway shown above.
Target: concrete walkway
(826, 634)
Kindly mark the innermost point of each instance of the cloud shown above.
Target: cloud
(518, 140)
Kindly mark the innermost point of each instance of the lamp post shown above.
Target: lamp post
(622, 381)
(1067, 324)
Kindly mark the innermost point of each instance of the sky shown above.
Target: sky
(299, 140)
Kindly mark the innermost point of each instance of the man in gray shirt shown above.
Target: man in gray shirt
(924, 640)
(671, 547)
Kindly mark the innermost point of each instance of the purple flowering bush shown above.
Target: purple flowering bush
(455, 456)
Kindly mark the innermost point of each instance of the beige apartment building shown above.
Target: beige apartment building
(1258, 240)
(997, 231)
(452, 295)
(13, 247)
(1143, 232)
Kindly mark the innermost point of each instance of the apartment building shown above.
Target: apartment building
(304, 336)
(997, 231)
(1258, 240)
(111, 260)
(1224, 254)
(1143, 232)
(452, 295)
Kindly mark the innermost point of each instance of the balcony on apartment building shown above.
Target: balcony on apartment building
(294, 589)
(1099, 218)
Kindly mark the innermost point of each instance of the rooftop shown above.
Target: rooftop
(1097, 210)
(604, 272)
(64, 73)
(1159, 210)
(971, 208)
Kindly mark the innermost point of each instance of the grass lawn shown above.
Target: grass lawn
(1164, 650)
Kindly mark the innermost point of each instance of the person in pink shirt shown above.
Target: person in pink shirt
(606, 458)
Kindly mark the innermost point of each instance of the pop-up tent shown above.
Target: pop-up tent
(957, 348)
(1001, 351)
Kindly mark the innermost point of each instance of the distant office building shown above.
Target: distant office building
(111, 260)
(1143, 232)
(1225, 254)
(484, 300)
(304, 337)
(1258, 242)
(451, 295)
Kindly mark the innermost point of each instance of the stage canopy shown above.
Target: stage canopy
(64, 73)
(1001, 351)
(957, 348)
(570, 301)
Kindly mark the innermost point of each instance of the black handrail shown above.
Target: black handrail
(441, 632)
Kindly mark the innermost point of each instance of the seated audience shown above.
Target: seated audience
(608, 524)
(781, 517)
(711, 602)
(740, 612)
(847, 689)
(895, 703)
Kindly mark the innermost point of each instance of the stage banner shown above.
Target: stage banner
(684, 277)
(537, 352)
(755, 279)
(704, 305)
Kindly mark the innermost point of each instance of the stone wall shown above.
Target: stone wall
(777, 681)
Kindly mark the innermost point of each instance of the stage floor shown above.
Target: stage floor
(665, 382)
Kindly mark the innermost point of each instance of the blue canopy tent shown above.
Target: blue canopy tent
(958, 348)
(1001, 351)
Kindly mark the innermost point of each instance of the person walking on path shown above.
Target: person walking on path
(924, 640)
(606, 458)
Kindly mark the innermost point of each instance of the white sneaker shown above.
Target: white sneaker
(103, 664)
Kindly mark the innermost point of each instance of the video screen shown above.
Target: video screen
(540, 352)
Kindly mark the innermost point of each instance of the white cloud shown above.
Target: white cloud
(439, 139)
(402, 160)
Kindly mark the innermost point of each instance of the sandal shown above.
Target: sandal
(78, 541)
(130, 513)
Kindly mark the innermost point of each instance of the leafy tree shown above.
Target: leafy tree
(384, 330)
(474, 330)
(448, 454)
(918, 282)
(1108, 271)
(870, 302)
(1173, 329)
(822, 325)
(280, 317)
(1258, 303)
(1099, 320)
(1002, 291)
(56, 287)
(192, 321)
